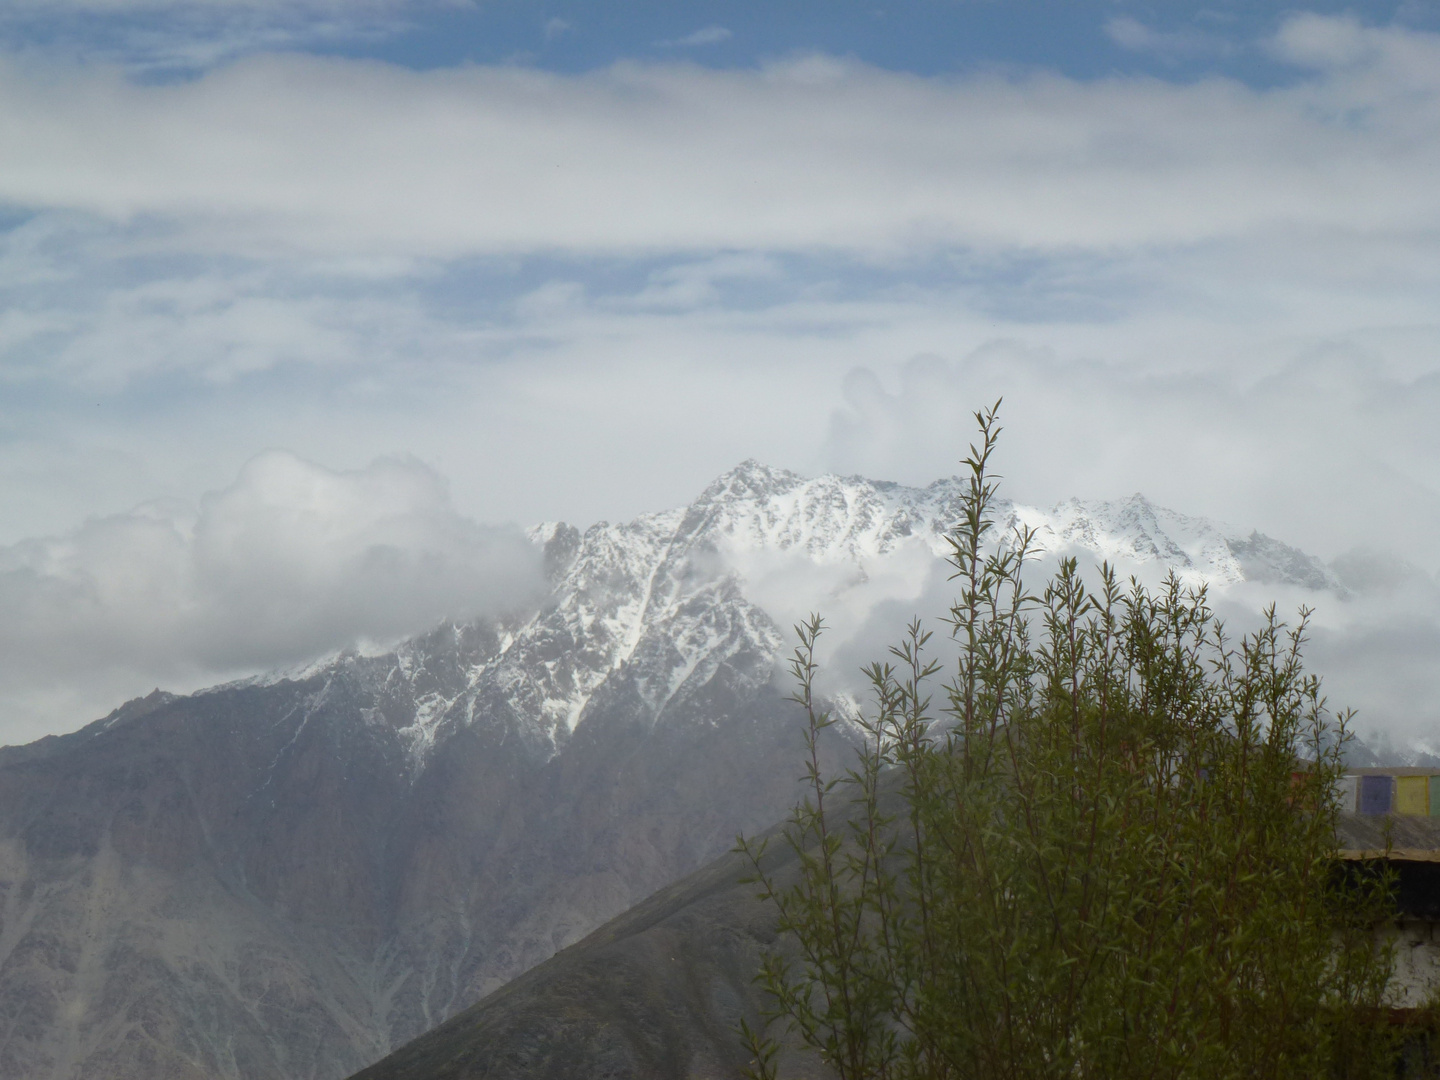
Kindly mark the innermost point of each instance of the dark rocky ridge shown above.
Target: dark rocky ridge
(655, 994)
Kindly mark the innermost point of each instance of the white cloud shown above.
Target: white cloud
(290, 561)
(305, 154)
(1130, 33)
(697, 283)
(1326, 451)
(709, 35)
(1330, 43)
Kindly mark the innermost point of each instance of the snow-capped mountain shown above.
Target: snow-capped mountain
(285, 877)
(665, 599)
(669, 596)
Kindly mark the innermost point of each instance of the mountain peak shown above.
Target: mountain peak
(751, 478)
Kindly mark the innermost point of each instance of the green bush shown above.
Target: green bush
(1109, 853)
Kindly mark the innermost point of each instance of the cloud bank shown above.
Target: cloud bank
(289, 562)
(298, 153)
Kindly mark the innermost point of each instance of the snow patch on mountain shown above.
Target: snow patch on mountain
(1135, 532)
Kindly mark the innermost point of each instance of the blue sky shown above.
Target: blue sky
(486, 263)
(930, 37)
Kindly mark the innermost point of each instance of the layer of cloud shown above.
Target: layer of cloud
(302, 153)
(290, 561)
(1305, 414)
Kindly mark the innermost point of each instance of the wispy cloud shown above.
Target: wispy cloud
(167, 38)
(1190, 41)
(708, 35)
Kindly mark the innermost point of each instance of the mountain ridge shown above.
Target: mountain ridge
(611, 581)
(288, 875)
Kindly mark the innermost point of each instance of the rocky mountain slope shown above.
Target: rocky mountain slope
(289, 876)
(654, 994)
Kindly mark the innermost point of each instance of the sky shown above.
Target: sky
(299, 294)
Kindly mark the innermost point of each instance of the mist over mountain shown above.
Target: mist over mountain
(291, 875)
